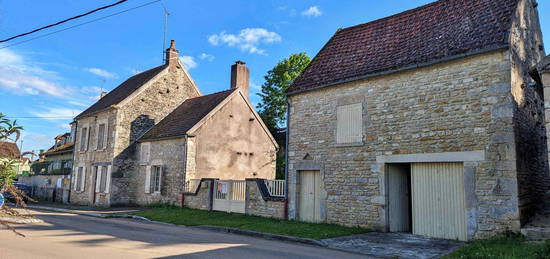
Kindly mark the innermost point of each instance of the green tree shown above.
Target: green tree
(273, 104)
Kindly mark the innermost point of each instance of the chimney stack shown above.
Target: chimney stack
(239, 77)
(172, 55)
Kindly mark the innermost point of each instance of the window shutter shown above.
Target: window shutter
(75, 179)
(106, 135)
(83, 180)
(160, 178)
(96, 143)
(349, 123)
(108, 183)
(147, 179)
(97, 178)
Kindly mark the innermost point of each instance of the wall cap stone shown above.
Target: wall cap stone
(478, 155)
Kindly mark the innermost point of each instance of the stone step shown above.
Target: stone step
(536, 233)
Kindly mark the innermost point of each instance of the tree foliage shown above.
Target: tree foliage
(9, 128)
(273, 104)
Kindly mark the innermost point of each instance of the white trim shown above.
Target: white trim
(108, 182)
(105, 133)
(148, 179)
(97, 177)
(223, 103)
(467, 156)
(83, 180)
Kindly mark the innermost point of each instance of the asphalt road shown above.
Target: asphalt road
(65, 235)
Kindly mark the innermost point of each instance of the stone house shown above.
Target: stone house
(219, 135)
(427, 121)
(107, 131)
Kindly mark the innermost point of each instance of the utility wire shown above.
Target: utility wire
(80, 24)
(63, 21)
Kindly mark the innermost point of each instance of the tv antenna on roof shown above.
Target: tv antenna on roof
(166, 14)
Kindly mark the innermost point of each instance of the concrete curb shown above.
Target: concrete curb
(251, 233)
(264, 235)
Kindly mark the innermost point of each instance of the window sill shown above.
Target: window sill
(354, 144)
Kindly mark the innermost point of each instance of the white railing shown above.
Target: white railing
(230, 189)
(276, 187)
(191, 185)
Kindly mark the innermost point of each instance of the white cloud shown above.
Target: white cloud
(56, 113)
(101, 72)
(312, 11)
(189, 62)
(205, 56)
(35, 142)
(255, 86)
(79, 104)
(248, 39)
(64, 126)
(22, 76)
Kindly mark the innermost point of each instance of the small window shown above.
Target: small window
(156, 178)
(83, 139)
(101, 136)
(349, 124)
(103, 181)
(145, 150)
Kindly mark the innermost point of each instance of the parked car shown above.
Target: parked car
(21, 186)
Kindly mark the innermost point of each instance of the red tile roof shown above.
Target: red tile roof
(185, 116)
(122, 91)
(419, 36)
(9, 150)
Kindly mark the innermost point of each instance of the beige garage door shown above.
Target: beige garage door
(310, 191)
(438, 200)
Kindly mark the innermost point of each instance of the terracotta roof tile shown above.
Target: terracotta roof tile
(185, 116)
(122, 91)
(9, 150)
(421, 35)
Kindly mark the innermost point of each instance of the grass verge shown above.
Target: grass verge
(510, 246)
(193, 217)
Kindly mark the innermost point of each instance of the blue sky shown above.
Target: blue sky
(60, 75)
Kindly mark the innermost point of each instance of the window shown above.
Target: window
(101, 138)
(80, 179)
(103, 177)
(84, 139)
(349, 124)
(145, 149)
(153, 179)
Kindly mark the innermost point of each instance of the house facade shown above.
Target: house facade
(59, 158)
(219, 136)
(106, 132)
(427, 122)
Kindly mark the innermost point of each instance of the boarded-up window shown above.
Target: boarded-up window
(83, 139)
(145, 150)
(349, 123)
(101, 136)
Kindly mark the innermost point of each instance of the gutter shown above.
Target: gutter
(286, 154)
(405, 68)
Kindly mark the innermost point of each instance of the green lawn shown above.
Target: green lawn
(192, 217)
(503, 247)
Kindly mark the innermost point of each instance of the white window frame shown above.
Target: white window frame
(83, 146)
(150, 172)
(80, 180)
(100, 178)
(105, 134)
(145, 152)
(349, 124)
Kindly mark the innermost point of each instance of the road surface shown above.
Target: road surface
(65, 235)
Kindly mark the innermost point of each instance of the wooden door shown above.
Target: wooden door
(398, 196)
(438, 200)
(310, 192)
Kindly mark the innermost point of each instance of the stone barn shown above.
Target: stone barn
(427, 121)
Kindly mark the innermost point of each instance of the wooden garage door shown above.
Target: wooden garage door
(438, 200)
(310, 191)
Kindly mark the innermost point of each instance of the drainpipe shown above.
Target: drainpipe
(286, 154)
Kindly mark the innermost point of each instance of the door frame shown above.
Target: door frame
(409, 199)
(294, 188)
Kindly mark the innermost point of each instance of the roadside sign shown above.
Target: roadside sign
(1, 200)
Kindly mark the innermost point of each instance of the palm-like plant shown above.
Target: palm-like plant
(9, 128)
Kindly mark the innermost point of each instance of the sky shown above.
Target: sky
(45, 82)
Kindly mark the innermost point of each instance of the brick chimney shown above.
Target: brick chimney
(172, 55)
(239, 77)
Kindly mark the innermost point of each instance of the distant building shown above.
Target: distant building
(59, 158)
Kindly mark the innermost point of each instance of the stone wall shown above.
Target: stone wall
(455, 106)
(165, 92)
(92, 156)
(232, 145)
(260, 203)
(48, 187)
(170, 155)
(526, 52)
(202, 198)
